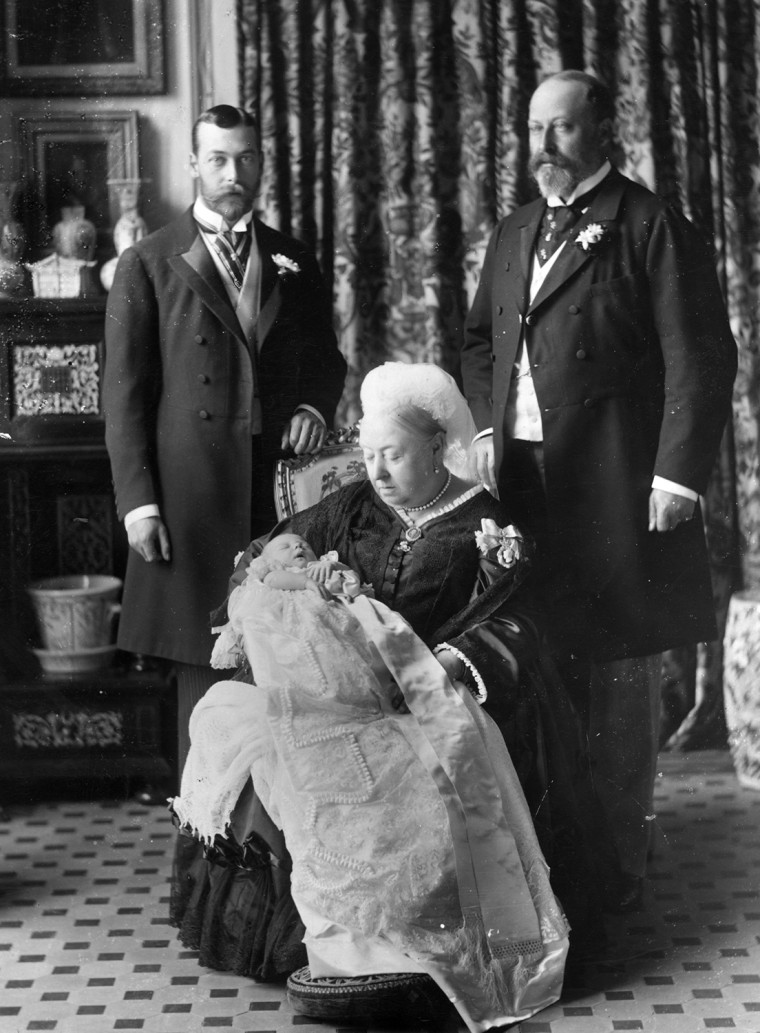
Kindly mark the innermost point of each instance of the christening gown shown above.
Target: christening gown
(235, 906)
(411, 842)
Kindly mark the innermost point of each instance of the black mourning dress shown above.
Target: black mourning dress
(234, 904)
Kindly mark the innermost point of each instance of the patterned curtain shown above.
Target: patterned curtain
(394, 138)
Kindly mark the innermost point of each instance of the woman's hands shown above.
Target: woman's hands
(455, 670)
(452, 664)
(398, 702)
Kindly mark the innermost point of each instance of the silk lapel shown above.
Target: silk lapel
(197, 269)
(602, 210)
(267, 315)
(271, 291)
(528, 233)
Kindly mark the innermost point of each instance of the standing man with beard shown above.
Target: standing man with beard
(220, 354)
(598, 363)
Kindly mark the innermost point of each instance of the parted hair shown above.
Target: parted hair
(417, 421)
(225, 116)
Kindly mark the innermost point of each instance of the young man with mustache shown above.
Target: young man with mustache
(598, 363)
(220, 354)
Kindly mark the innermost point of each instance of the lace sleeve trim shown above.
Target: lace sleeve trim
(478, 691)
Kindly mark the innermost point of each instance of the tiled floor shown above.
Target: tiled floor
(85, 946)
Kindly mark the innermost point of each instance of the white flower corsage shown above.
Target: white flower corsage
(285, 265)
(590, 236)
(506, 540)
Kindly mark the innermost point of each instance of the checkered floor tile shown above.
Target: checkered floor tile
(85, 946)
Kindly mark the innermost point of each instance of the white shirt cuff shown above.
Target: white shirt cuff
(138, 514)
(483, 434)
(675, 489)
(314, 412)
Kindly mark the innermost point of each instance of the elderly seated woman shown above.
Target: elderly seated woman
(404, 819)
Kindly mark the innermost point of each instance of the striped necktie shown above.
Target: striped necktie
(233, 247)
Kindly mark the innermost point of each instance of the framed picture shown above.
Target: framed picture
(81, 48)
(69, 159)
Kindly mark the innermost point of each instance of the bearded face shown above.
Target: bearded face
(567, 143)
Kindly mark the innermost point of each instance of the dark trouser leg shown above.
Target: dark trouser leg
(194, 680)
(192, 683)
(624, 723)
(263, 514)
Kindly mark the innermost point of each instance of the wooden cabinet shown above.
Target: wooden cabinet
(57, 517)
(106, 729)
(51, 363)
(56, 503)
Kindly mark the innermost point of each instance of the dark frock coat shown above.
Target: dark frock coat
(633, 363)
(178, 389)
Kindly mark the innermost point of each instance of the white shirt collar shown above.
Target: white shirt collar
(583, 187)
(202, 213)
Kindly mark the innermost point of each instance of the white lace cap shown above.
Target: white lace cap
(387, 388)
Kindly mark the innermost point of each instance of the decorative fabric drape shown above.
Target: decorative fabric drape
(394, 134)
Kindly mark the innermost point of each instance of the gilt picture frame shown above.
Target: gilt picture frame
(71, 156)
(81, 48)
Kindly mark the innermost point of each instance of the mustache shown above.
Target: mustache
(548, 159)
(230, 194)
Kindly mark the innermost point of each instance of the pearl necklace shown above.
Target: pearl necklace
(429, 505)
(412, 533)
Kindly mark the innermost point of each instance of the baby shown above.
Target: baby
(286, 563)
(294, 567)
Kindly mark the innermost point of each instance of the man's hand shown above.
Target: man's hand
(150, 539)
(482, 451)
(304, 433)
(667, 511)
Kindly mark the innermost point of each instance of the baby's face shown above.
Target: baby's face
(289, 549)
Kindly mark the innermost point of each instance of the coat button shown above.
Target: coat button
(499, 309)
(574, 310)
(199, 339)
(203, 378)
(580, 354)
(204, 415)
(529, 320)
(589, 403)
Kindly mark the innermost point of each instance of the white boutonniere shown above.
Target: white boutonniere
(285, 266)
(590, 236)
(507, 541)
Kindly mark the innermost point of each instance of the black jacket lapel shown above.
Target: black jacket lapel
(196, 267)
(528, 232)
(271, 295)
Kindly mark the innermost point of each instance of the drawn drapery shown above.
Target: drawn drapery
(394, 138)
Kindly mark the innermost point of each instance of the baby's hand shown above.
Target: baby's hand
(320, 570)
(320, 589)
